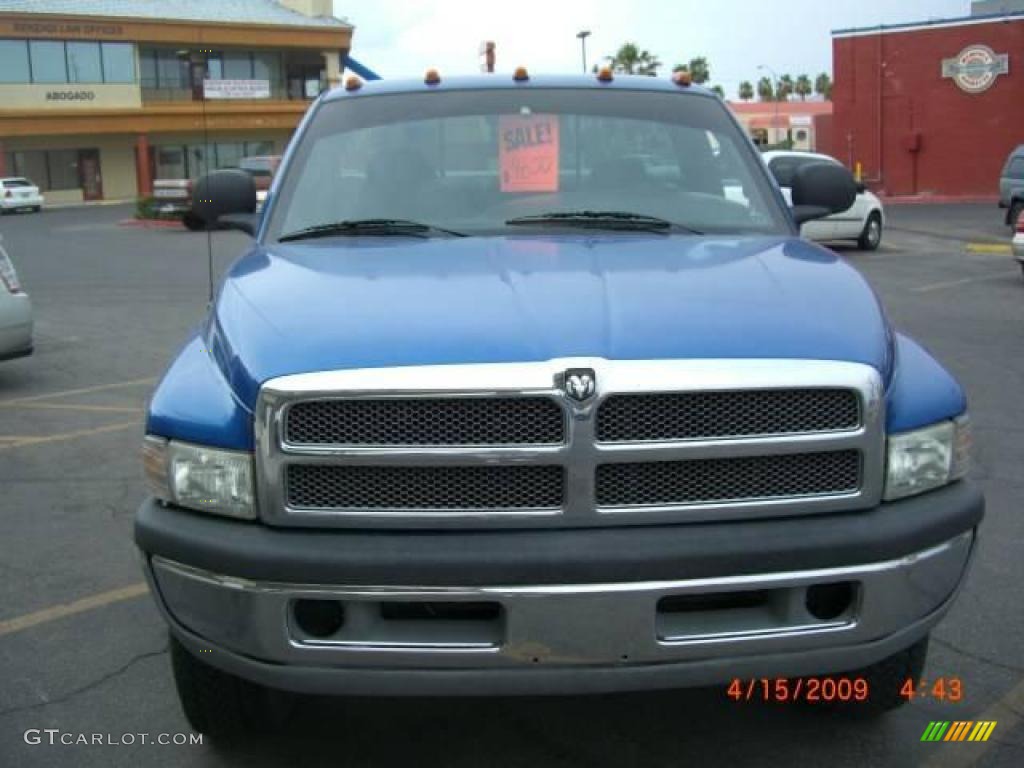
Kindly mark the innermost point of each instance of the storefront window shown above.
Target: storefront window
(84, 63)
(170, 70)
(118, 62)
(229, 155)
(237, 66)
(170, 162)
(14, 61)
(259, 148)
(30, 165)
(48, 64)
(63, 167)
(267, 66)
(50, 169)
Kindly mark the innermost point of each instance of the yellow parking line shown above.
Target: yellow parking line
(964, 281)
(999, 248)
(74, 407)
(28, 441)
(70, 609)
(82, 391)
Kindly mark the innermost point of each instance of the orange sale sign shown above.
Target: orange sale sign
(528, 153)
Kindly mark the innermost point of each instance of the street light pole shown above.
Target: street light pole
(778, 84)
(583, 34)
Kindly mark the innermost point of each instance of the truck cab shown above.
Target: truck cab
(528, 385)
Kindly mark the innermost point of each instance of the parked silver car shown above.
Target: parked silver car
(1011, 187)
(15, 312)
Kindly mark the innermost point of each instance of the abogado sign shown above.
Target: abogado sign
(236, 89)
(976, 68)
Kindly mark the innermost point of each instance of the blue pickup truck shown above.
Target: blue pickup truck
(489, 408)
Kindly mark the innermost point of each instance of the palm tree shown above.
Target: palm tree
(649, 64)
(746, 92)
(785, 87)
(626, 59)
(765, 89)
(823, 86)
(698, 68)
(803, 87)
(630, 60)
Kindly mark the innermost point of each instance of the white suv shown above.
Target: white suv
(863, 222)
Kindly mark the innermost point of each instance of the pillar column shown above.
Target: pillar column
(332, 66)
(3, 160)
(143, 176)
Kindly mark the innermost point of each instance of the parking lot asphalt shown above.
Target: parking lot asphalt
(83, 650)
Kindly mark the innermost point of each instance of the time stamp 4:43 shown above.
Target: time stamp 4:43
(838, 689)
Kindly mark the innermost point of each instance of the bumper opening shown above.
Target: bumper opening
(425, 624)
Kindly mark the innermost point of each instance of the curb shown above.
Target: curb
(940, 200)
(150, 224)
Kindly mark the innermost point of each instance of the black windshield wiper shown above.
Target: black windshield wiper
(369, 227)
(602, 220)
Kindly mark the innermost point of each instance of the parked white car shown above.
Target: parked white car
(18, 194)
(864, 222)
(15, 313)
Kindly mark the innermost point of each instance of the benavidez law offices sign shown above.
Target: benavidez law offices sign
(236, 89)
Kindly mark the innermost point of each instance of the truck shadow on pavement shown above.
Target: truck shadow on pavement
(649, 729)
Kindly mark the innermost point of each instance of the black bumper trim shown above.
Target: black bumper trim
(569, 556)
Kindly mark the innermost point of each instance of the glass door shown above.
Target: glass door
(89, 170)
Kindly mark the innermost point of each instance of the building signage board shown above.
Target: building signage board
(236, 89)
(976, 68)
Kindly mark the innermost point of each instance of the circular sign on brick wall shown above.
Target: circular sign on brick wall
(976, 68)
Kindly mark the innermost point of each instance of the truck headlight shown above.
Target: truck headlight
(927, 458)
(196, 476)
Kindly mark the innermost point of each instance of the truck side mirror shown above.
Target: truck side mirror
(821, 189)
(226, 198)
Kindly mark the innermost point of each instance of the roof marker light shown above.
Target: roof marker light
(604, 74)
(683, 79)
(353, 83)
(432, 77)
(520, 75)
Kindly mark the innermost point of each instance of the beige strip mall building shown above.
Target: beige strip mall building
(100, 97)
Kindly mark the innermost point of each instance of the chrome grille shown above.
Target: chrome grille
(425, 488)
(733, 479)
(503, 446)
(693, 415)
(427, 421)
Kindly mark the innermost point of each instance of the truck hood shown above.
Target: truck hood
(367, 302)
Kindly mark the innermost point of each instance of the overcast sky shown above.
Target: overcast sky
(404, 37)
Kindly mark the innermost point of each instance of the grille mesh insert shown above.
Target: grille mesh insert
(694, 415)
(375, 487)
(732, 479)
(427, 421)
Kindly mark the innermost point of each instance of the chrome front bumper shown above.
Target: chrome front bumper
(560, 638)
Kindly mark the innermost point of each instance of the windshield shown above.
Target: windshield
(472, 161)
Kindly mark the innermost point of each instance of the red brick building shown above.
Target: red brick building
(931, 108)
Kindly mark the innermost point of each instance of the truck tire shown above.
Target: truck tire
(192, 222)
(871, 237)
(222, 706)
(1016, 210)
(885, 679)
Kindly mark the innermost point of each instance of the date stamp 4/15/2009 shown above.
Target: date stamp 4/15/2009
(839, 689)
